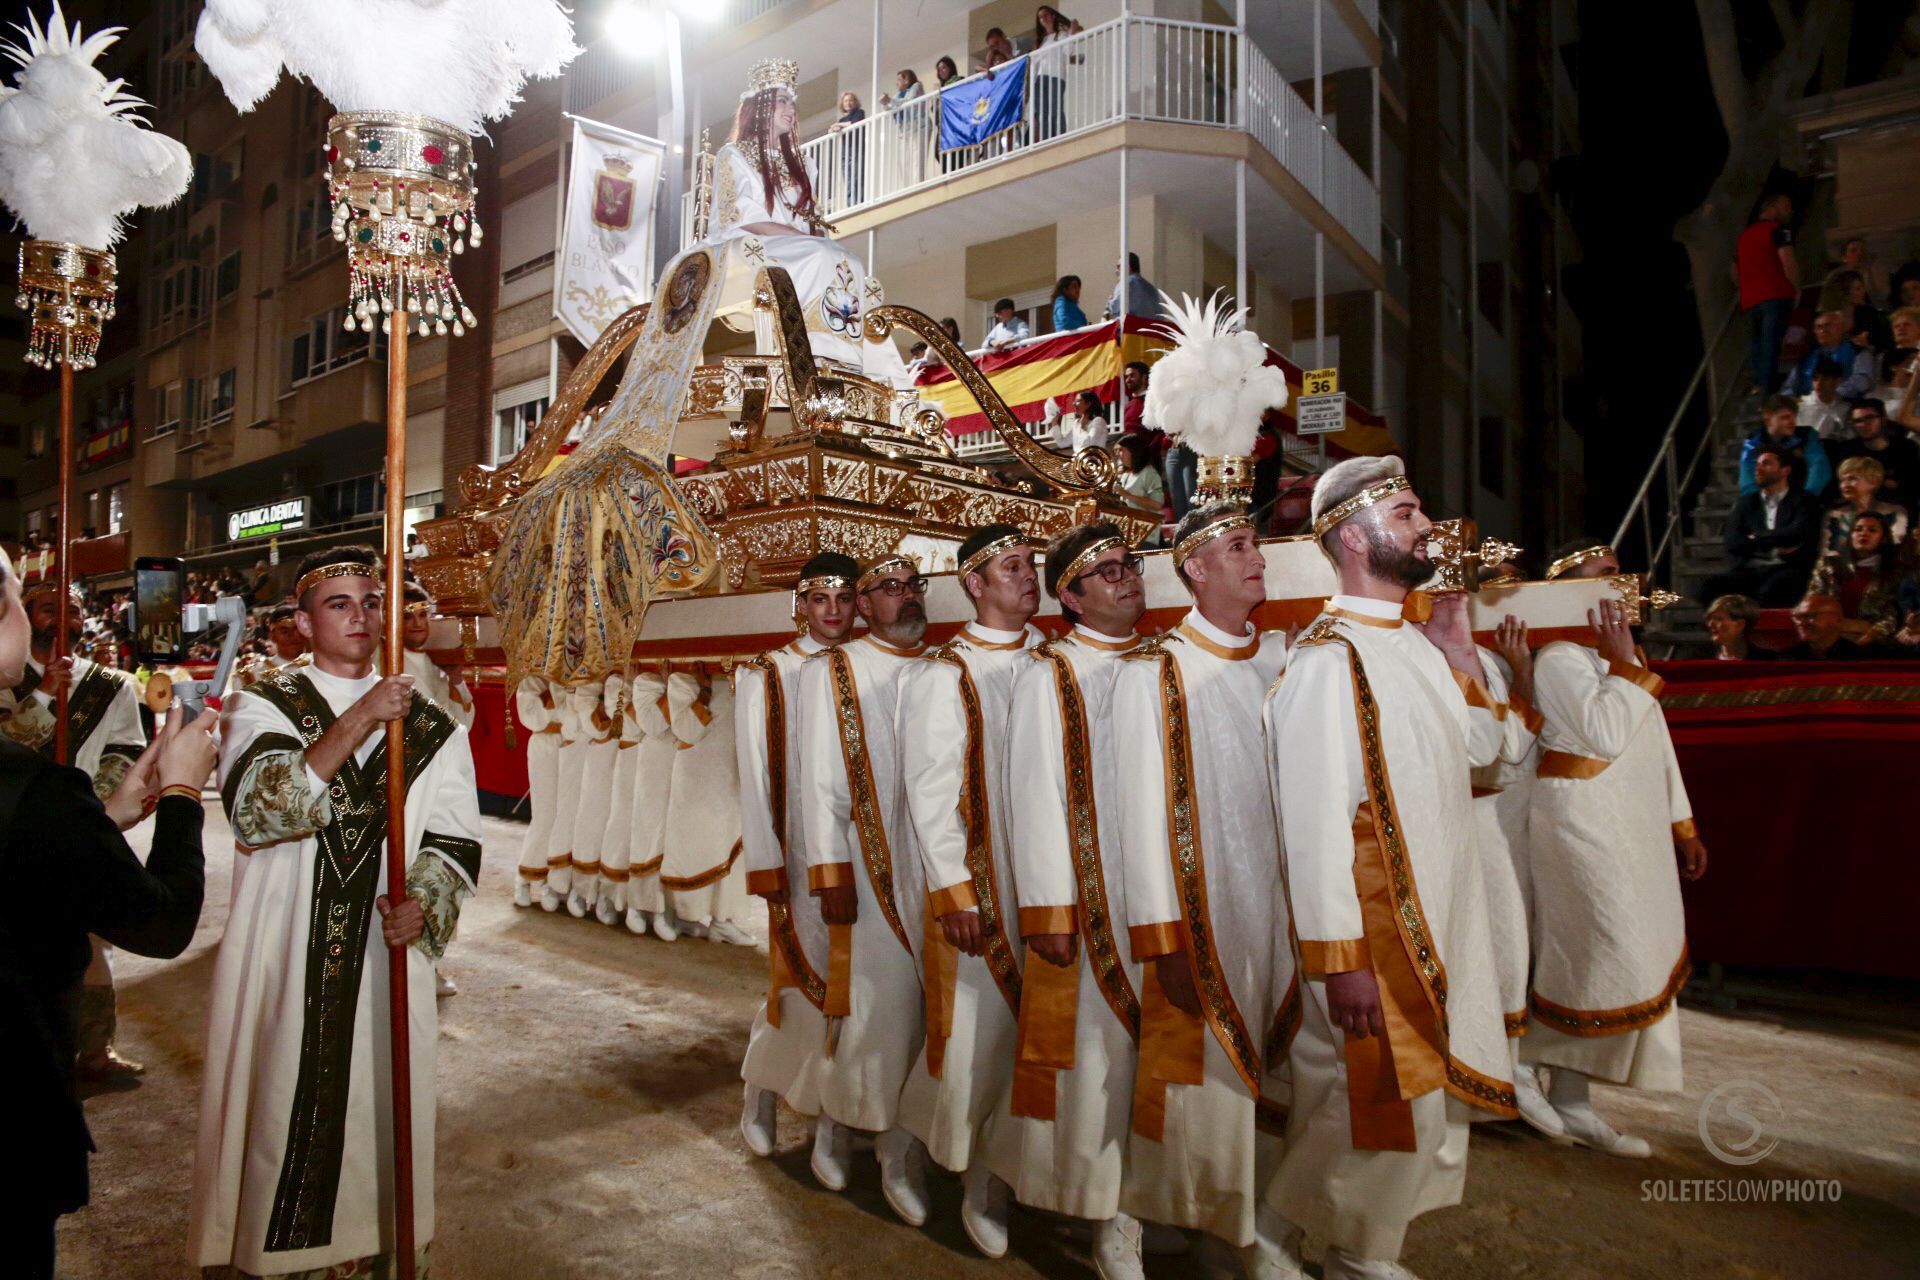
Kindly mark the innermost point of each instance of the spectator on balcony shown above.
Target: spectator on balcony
(1860, 480)
(1729, 618)
(999, 50)
(952, 328)
(1779, 426)
(907, 87)
(1050, 26)
(1084, 428)
(1769, 278)
(1772, 534)
(945, 72)
(1822, 408)
(1136, 293)
(853, 151)
(1899, 457)
(1846, 292)
(1820, 623)
(1133, 380)
(1139, 477)
(1832, 343)
(1066, 305)
(919, 360)
(1008, 328)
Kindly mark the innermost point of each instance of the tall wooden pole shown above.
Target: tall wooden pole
(63, 566)
(393, 663)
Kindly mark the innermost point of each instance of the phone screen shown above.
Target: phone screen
(159, 610)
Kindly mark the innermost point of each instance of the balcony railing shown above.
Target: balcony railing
(1152, 69)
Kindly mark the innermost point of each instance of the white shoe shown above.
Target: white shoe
(636, 921)
(523, 893)
(577, 905)
(1275, 1251)
(607, 911)
(830, 1144)
(1534, 1107)
(443, 986)
(665, 927)
(757, 1120)
(902, 1180)
(1585, 1128)
(1116, 1249)
(1341, 1265)
(728, 931)
(983, 1210)
(549, 900)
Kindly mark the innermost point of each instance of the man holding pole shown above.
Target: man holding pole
(295, 1147)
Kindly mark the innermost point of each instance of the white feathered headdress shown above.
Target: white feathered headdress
(460, 61)
(1210, 390)
(74, 158)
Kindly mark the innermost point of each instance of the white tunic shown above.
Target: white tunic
(1610, 947)
(600, 744)
(1373, 785)
(652, 789)
(1064, 808)
(575, 746)
(1202, 866)
(616, 845)
(789, 1058)
(290, 1178)
(1502, 792)
(702, 873)
(855, 822)
(953, 763)
(534, 703)
(437, 686)
(104, 750)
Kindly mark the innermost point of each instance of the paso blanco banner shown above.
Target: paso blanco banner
(606, 237)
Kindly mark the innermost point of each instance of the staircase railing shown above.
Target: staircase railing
(1660, 522)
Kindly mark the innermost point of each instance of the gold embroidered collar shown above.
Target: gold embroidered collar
(1080, 635)
(1364, 620)
(895, 650)
(1207, 644)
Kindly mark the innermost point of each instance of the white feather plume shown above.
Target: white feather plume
(1210, 390)
(460, 61)
(75, 159)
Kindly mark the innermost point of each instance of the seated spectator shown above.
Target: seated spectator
(1728, 620)
(1772, 535)
(1899, 366)
(1819, 622)
(1831, 343)
(1906, 286)
(1846, 292)
(1779, 426)
(1008, 328)
(1066, 305)
(1822, 408)
(1873, 437)
(1855, 255)
(1139, 477)
(1868, 580)
(1860, 479)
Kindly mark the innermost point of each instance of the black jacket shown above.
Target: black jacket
(58, 842)
(1795, 533)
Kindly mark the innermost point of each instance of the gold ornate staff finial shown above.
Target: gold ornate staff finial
(68, 292)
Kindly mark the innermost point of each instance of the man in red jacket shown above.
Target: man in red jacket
(1769, 278)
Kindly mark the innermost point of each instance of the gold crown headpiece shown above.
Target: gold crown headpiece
(780, 75)
(51, 586)
(341, 569)
(821, 582)
(1082, 562)
(882, 567)
(1574, 559)
(1189, 546)
(984, 556)
(1331, 518)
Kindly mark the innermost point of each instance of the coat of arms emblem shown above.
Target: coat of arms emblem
(613, 194)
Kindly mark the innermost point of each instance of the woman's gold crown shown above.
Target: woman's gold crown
(782, 74)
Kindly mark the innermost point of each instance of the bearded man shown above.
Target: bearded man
(1373, 736)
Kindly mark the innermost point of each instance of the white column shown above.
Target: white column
(671, 81)
(1120, 321)
(1240, 271)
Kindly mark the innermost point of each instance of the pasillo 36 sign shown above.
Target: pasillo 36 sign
(261, 522)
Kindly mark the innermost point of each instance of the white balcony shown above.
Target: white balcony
(1150, 70)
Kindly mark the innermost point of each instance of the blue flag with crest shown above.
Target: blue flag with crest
(983, 108)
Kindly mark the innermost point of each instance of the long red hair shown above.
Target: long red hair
(754, 121)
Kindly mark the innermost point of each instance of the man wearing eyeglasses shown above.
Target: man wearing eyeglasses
(784, 1050)
(861, 867)
(1080, 988)
(953, 752)
(1205, 906)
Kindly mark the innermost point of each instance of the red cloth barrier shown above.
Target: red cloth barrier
(498, 768)
(1797, 772)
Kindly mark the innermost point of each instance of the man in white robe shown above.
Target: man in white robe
(447, 690)
(294, 1159)
(871, 888)
(616, 844)
(104, 737)
(1206, 910)
(600, 737)
(1612, 833)
(701, 873)
(1372, 739)
(285, 647)
(647, 906)
(576, 745)
(1071, 1100)
(786, 1048)
(533, 701)
(953, 762)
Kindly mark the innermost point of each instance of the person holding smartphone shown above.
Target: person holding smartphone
(55, 830)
